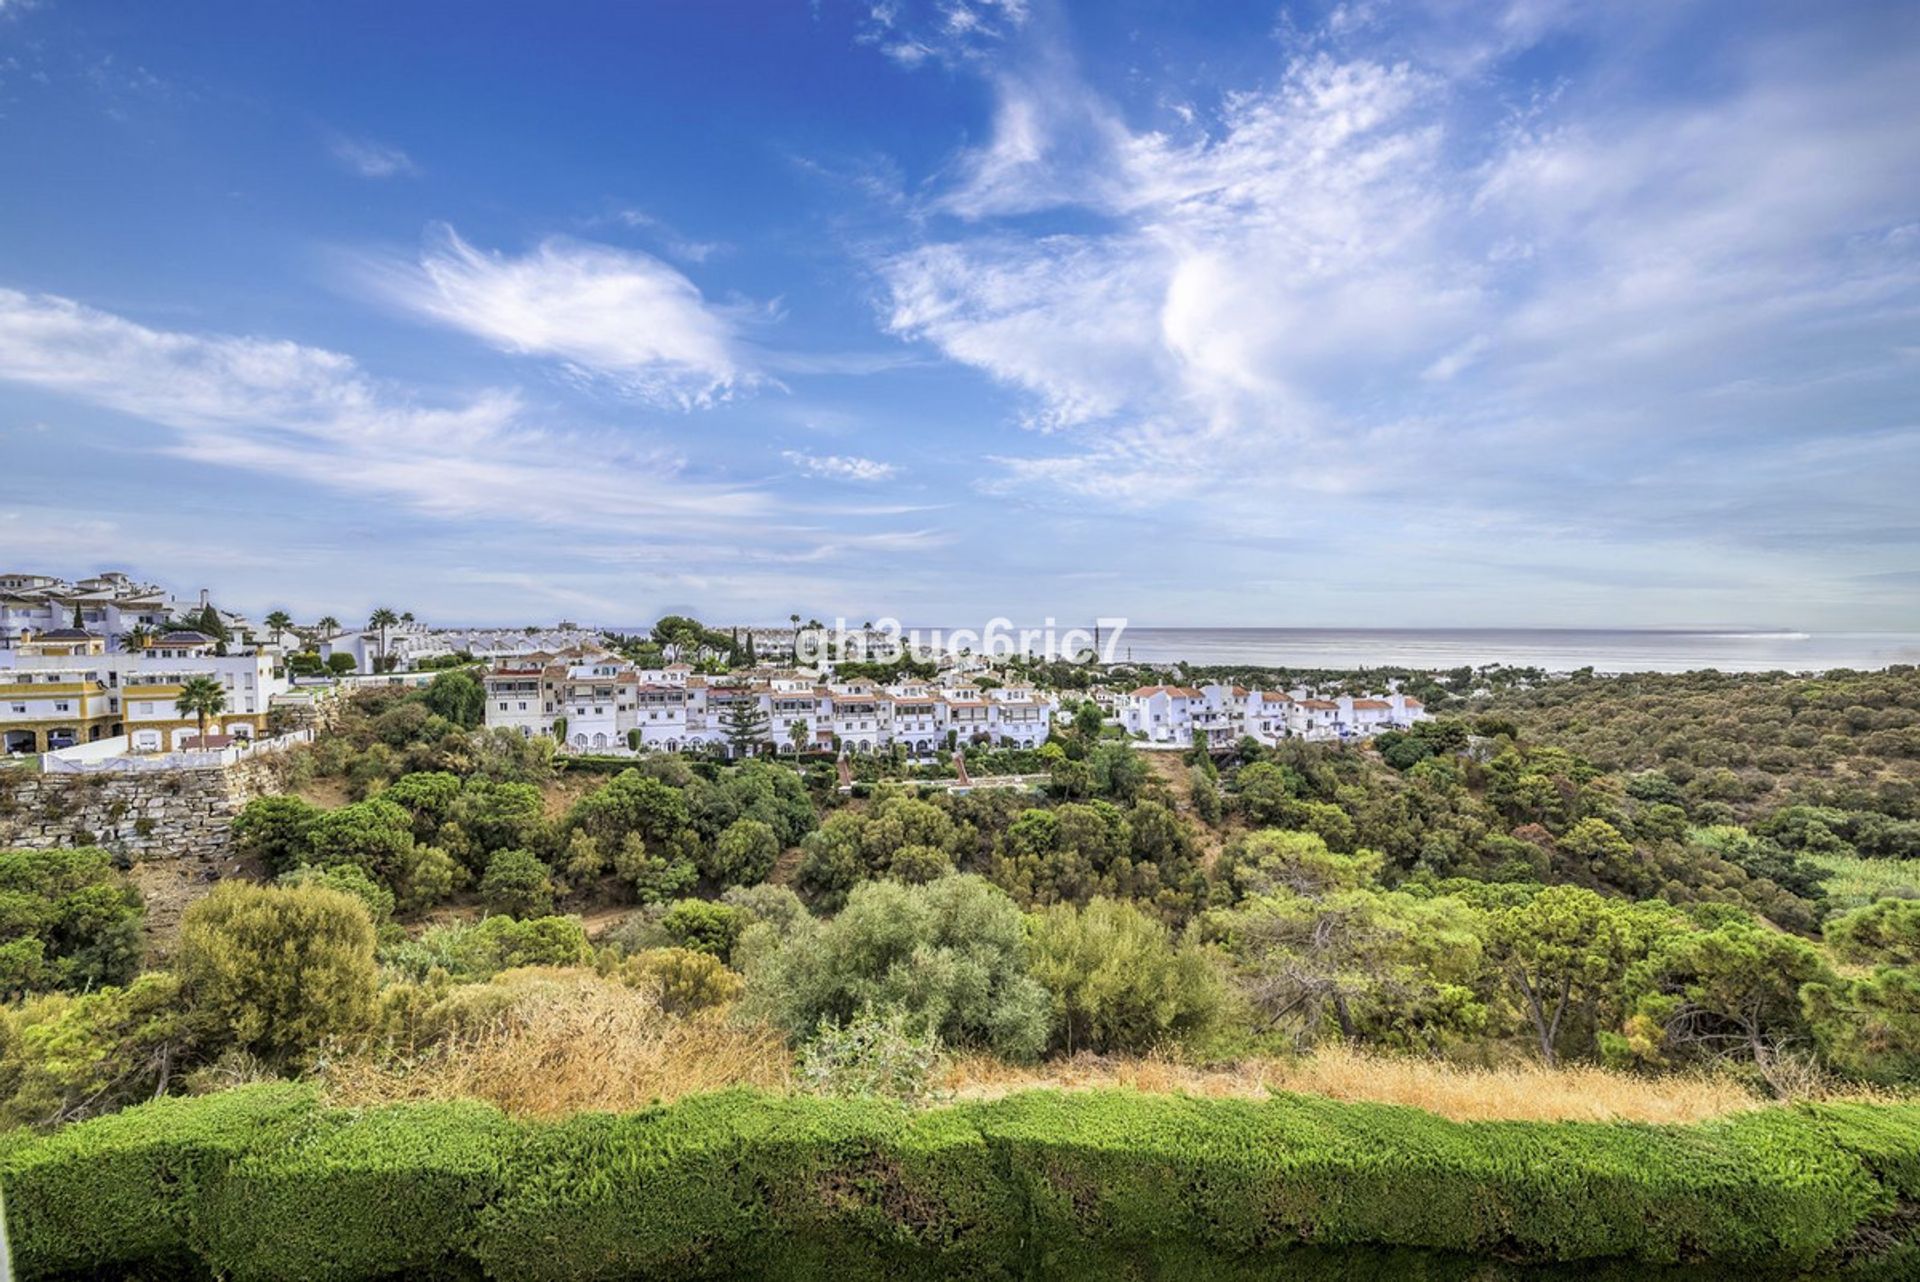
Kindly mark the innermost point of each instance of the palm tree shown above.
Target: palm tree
(328, 624)
(137, 637)
(280, 620)
(201, 697)
(383, 618)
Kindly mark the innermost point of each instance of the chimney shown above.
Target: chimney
(203, 598)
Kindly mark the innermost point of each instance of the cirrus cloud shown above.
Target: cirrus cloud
(839, 467)
(618, 317)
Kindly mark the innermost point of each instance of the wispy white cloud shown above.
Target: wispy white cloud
(370, 159)
(682, 247)
(839, 467)
(1348, 270)
(618, 317)
(312, 415)
(911, 32)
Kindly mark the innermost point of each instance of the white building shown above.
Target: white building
(64, 687)
(607, 705)
(109, 606)
(400, 645)
(1178, 716)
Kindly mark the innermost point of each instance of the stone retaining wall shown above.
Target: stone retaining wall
(173, 828)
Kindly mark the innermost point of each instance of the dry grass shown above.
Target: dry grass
(571, 1043)
(1517, 1093)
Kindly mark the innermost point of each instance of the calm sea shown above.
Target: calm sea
(1555, 649)
(1606, 650)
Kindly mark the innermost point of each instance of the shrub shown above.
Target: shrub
(917, 865)
(704, 926)
(950, 953)
(683, 980)
(776, 905)
(350, 880)
(67, 920)
(274, 830)
(374, 836)
(278, 970)
(655, 878)
(874, 1055)
(426, 795)
(744, 854)
(486, 948)
(517, 884)
(833, 859)
(263, 1182)
(63, 1058)
(1118, 982)
(427, 876)
(498, 816)
(632, 803)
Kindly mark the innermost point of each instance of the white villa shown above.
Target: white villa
(1175, 716)
(597, 702)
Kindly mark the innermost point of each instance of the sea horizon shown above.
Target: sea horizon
(1554, 649)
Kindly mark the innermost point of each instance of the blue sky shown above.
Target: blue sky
(1421, 314)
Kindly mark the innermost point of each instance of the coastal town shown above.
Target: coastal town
(106, 667)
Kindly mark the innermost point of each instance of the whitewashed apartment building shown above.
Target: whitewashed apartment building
(600, 703)
(108, 605)
(1177, 716)
(63, 688)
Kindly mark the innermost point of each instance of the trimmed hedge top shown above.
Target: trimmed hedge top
(267, 1182)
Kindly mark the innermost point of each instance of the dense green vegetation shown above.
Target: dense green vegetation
(1477, 890)
(266, 1183)
(68, 920)
(1651, 874)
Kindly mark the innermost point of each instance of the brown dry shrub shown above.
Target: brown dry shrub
(565, 1041)
(1527, 1092)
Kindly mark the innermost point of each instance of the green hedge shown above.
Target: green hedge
(266, 1183)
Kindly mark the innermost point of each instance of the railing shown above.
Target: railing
(106, 756)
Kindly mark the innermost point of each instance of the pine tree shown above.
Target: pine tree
(209, 623)
(745, 724)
